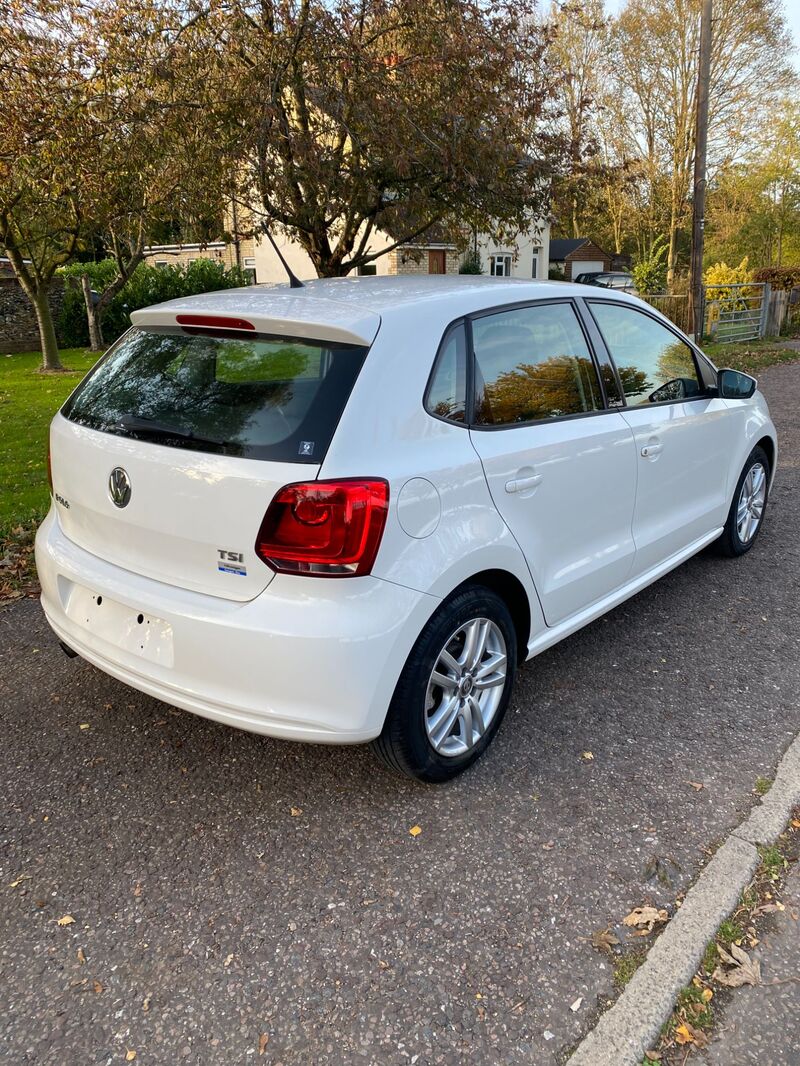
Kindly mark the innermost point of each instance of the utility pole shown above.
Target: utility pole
(700, 151)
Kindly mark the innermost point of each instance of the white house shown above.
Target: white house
(524, 256)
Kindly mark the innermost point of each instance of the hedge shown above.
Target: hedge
(779, 277)
(148, 285)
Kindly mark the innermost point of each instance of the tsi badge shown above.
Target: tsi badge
(231, 562)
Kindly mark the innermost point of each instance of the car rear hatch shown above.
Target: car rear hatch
(165, 458)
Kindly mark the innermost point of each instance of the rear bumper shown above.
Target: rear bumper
(308, 659)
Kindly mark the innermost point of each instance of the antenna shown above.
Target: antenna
(294, 282)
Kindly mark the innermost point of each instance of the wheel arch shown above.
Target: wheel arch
(511, 590)
(767, 444)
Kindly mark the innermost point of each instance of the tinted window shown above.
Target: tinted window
(262, 397)
(447, 392)
(653, 364)
(532, 363)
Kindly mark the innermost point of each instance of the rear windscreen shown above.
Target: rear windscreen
(260, 397)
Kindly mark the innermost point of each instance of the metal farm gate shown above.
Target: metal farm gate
(736, 312)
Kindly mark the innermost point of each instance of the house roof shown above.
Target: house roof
(560, 249)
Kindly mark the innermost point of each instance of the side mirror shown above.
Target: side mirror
(733, 385)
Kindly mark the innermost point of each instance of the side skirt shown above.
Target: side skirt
(548, 637)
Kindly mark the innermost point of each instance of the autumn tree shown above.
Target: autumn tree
(656, 54)
(344, 118)
(42, 127)
(150, 155)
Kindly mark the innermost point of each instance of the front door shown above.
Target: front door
(683, 436)
(560, 467)
(437, 261)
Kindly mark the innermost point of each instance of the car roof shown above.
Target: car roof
(351, 309)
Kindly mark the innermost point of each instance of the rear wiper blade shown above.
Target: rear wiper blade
(134, 424)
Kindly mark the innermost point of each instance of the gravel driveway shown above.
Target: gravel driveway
(238, 899)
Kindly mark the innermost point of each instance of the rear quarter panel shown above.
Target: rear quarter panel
(440, 534)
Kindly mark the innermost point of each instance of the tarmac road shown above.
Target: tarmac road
(211, 914)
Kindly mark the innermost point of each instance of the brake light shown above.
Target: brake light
(325, 528)
(214, 321)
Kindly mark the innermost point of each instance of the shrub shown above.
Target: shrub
(148, 285)
(650, 271)
(721, 275)
(471, 263)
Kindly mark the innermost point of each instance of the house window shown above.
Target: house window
(500, 266)
(437, 262)
(162, 264)
(367, 270)
(249, 269)
(535, 267)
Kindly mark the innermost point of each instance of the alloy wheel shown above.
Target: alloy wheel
(466, 687)
(750, 507)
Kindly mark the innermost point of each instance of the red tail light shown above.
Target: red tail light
(325, 528)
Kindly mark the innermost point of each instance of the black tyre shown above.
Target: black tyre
(748, 506)
(454, 688)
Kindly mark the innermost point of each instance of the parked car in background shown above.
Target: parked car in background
(608, 280)
(348, 512)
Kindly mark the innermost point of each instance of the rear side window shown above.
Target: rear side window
(653, 364)
(260, 397)
(447, 392)
(532, 363)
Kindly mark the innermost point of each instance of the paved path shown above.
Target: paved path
(210, 914)
(761, 1026)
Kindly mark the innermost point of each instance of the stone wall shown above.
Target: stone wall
(18, 329)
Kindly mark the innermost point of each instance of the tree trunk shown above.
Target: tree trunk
(47, 330)
(95, 327)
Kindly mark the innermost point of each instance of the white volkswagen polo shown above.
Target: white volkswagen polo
(347, 512)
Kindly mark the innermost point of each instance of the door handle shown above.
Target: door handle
(650, 450)
(523, 483)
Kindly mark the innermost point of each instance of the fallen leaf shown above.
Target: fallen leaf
(698, 786)
(698, 1037)
(576, 1006)
(81, 956)
(683, 1034)
(645, 916)
(296, 812)
(66, 920)
(97, 987)
(131, 1055)
(263, 1040)
(146, 1004)
(796, 823)
(707, 994)
(19, 880)
(85, 725)
(228, 960)
(743, 970)
(137, 891)
(549, 845)
(415, 830)
(587, 756)
(653, 1056)
(603, 940)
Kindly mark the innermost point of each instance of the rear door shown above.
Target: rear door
(683, 435)
(165, 459)
(560, 462)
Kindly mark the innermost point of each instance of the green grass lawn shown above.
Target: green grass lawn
(28, 401)
(751, 357)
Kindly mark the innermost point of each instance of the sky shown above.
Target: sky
(791, 10)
